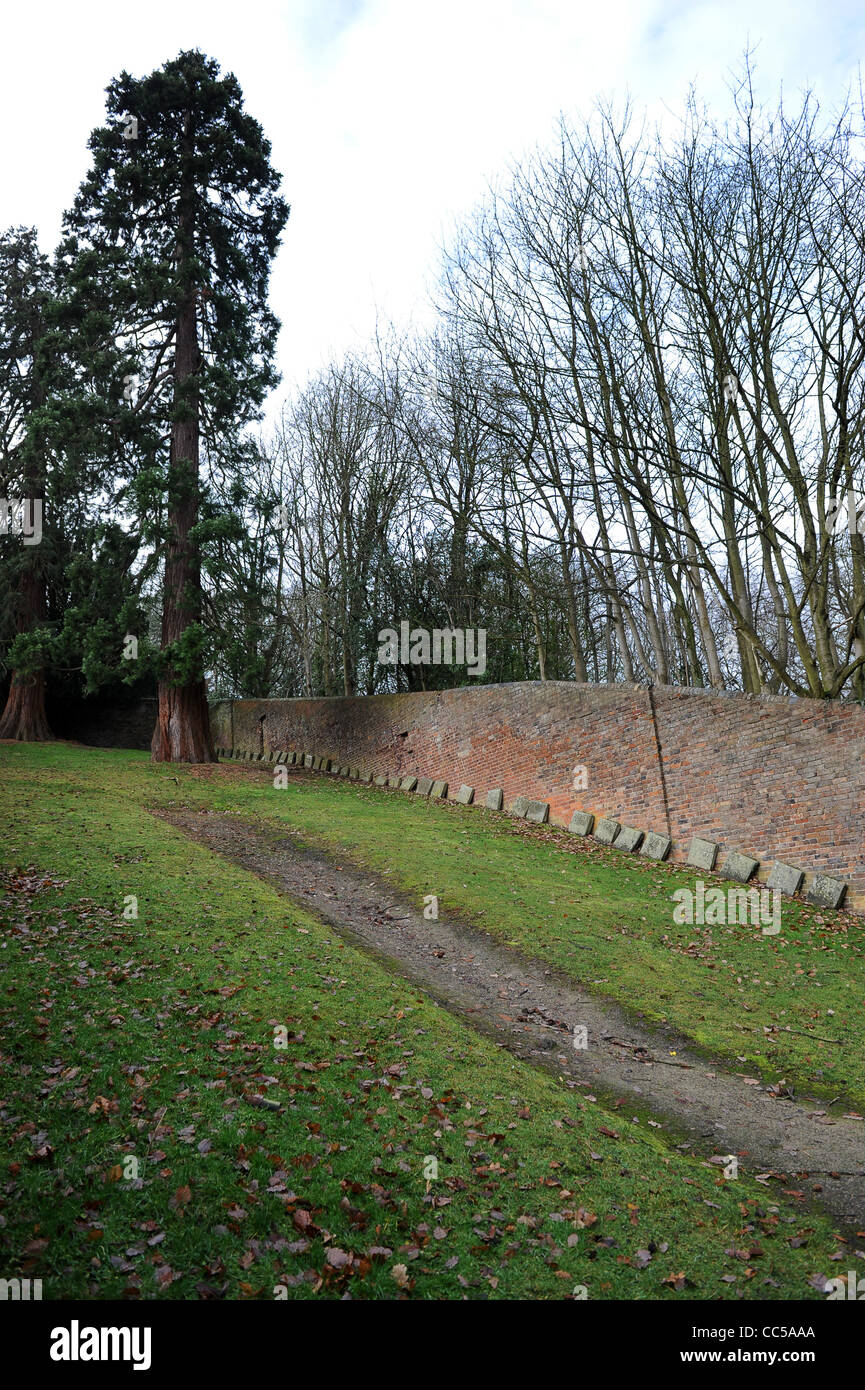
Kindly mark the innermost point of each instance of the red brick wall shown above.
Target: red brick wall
(775, 777)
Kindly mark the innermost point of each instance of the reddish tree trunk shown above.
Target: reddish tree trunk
(24, 717)
(182, 732)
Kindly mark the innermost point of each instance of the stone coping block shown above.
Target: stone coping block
(366, 777)
(739, 867)
(465, 796)
(538, 811)
(581, 823)
(606, 830)
(629, 839)
(702, 853)
(656, 846)
(439, 789)
(424, 786)
(354, 774)
(826, 891)
(494, 799)
(393, 781)
(408, 784)
(785, 878)
(381, 780)
(308, 760)
(520, 806)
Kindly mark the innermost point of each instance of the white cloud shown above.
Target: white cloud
(387, 117)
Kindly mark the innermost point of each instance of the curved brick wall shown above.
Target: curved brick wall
(775, 777)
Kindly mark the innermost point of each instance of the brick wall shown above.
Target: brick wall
(775, 777)
(105, 725)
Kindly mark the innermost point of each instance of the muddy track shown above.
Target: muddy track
(533, 1011)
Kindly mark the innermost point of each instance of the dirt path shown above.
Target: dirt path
(532, 1010)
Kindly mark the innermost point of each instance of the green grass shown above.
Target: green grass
(765, 1004)
(144, 1038)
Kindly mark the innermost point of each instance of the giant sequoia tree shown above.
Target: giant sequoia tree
(172, 236)
(25, 285)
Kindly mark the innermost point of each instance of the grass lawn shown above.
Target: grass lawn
(144, 1038)
(789, 1007)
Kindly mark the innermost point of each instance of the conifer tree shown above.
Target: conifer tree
(171, 239)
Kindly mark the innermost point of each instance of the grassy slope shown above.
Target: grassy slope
(143, 1037)
(607, 919)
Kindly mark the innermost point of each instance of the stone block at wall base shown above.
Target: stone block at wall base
(739, 867)
(785, 878)
(826, 891)
(702, 853)
(606, 830)
(656, 846)
(628, 839)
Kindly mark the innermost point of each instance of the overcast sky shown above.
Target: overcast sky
(388, 117)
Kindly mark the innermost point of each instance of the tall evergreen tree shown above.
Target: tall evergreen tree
(173, 233)
(25, 294)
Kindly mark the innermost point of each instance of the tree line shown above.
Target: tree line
(628, 448)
